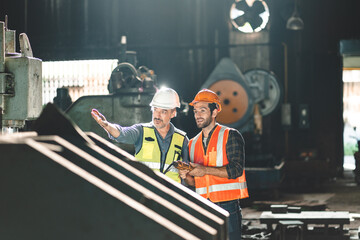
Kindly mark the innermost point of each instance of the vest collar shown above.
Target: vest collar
(168, 134)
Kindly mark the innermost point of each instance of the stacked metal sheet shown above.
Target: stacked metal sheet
(72, 185)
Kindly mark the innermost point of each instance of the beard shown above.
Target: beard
(158, 123)
(206, 122)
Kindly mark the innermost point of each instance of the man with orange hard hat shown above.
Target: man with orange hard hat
(218, 157)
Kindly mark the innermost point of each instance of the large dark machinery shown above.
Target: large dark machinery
(246, 99)
(130, 92)
(20, 81)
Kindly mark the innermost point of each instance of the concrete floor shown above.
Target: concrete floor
(341, 194)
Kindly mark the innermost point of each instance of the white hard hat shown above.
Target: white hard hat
(165, 98)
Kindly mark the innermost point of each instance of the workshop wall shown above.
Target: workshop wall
(184, 40)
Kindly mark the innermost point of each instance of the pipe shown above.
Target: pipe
(2, 66)
(1, 113)
(285, 72)
(286, 95)
(2, 47)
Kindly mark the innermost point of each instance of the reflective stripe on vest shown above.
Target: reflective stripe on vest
(222, 187)
(219, 148)
(215, 188)
(150, 153)
(154, 165)
(192, 147)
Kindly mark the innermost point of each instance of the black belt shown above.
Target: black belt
(226, 202)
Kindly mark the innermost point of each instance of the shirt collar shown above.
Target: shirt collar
(211, 132)
(169, 133)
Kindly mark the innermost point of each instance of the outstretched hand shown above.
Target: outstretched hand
(99, 118)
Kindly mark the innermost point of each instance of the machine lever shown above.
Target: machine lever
(25, 47)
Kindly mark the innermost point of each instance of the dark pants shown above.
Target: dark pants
(234, 227)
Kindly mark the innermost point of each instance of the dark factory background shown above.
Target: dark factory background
(183, 41)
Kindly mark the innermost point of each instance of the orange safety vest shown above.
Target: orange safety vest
(215, 188)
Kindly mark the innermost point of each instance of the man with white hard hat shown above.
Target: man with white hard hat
(158, 143)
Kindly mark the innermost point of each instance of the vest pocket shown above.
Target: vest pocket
(212, 158)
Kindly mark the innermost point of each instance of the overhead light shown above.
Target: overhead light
(295, 22)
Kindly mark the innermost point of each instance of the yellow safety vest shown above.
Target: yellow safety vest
(150, 153)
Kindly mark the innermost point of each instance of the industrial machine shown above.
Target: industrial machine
(20, 81)
(243, 96)
(246, 99)
(130, 92)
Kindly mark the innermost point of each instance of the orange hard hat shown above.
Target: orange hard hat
(206, 95)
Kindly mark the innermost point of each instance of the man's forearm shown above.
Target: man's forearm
(217, 171)
(201, 170)
(112, 130)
